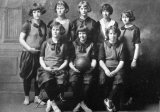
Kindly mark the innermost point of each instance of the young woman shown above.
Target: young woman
(111, 60)
(82, 48)
(31, 37)
(84, 8)
(130, 35)
(61, 9)
(104, 23)
(53, 60)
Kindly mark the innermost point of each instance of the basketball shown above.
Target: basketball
(83, 64)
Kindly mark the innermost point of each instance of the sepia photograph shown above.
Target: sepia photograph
(79, 56)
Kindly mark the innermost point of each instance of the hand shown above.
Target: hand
(113, 73)
(102, 79)
(133, 64)
(33, 50)
(107, 72)
(90, 70)
(76, 70)
(48, 69)
(55, 69)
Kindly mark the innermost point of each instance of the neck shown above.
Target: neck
(128, 25)
(83, 17)
(107, 19)
(112, 42)
(37, 21)
(55, 40)
(61, 17)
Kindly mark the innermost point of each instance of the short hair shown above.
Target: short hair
(82, 28)
(129, 14)
(115, 29)
(85, 4)
(36, 6)
(63, 3)
(57, 24)
(107, 7)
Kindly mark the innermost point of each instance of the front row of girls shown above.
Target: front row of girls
(79, 39)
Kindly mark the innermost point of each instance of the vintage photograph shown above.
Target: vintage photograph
(79, 56)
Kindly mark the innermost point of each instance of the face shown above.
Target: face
(112, 36)
(105, 14)
(60, 10)
(36, 14)
(125, 19)
(82, 36)
(55, 32)
(83, 10)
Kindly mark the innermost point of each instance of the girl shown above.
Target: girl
(53, 60)
(84, 8)
(131, 38)
(31, 37)
(62, 8)
(82, 47)
(105, 22)
(111, 60)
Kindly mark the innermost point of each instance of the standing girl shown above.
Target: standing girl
(82, 48)
(31, 37)
(111, 60)
(104, 23)
(131, 38)
(53, 60)
(84, 8)
(61, 8)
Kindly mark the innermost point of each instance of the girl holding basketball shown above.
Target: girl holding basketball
(83, 52)
(111, 61)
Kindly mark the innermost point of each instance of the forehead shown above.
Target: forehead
(55, 27)
(60, 6)
(125, 15)
(112, 31)
(36, 10)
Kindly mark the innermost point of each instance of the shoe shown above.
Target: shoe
(85, 108)
(109, 105)
(48, 108)
(55, 107)
(76, 109)
(39, 101)
(26, 100)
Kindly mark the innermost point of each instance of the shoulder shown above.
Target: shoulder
(49, 23)
(136, 28)
(27, 24)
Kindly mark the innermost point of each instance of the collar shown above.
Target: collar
(130, 28)
(110, 45)
(81, 20)
(50, 41)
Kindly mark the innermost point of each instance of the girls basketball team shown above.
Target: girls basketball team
(51, 52)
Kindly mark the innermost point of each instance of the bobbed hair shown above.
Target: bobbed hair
(82, 28)
(84, 4)
(36, 6)
(129, 14)
(106, 7)
(115, 29)
(62, 3)
(58, 25)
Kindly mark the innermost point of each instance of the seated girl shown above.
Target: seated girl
(111, 60)
(53, 60)
(82, 47)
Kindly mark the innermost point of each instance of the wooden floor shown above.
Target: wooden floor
(12, 102)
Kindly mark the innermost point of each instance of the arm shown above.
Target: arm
(43, 65)
(71, 65)
(135, 57)
(104, 67)
(64, 64)
(118, 68)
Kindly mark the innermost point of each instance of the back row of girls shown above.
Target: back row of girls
(101, 42)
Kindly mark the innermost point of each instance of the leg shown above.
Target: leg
(27, 87)
(52, 91)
